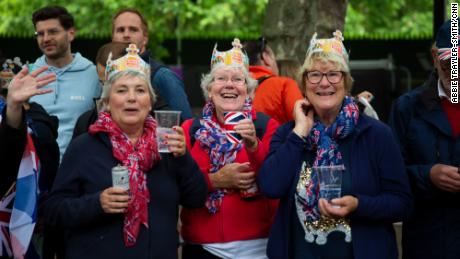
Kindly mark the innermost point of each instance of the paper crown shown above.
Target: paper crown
(332, 45)
(9, 69)
(233, 57)
(130, 61)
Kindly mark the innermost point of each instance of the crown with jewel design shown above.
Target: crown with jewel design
(130, 61)
(233, 57)
(329, 46)
(9, 69)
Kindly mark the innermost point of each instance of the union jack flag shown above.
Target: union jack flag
(445, 53)
(6, 205)
(230, 120)
(24, 213)
(350, 110)
(18, 210)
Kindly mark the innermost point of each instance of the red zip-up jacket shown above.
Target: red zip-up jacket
(238, 218)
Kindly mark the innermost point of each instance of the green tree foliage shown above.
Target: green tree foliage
(195, 18)
(204, 18)
(391, 19)
(166, 18)
(217, 18)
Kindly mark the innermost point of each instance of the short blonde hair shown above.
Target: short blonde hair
(207, 80)
(323, 57)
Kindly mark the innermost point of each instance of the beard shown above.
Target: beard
(60, 49)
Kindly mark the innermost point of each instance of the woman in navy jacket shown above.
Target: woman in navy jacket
(106, 221)
(329, 131)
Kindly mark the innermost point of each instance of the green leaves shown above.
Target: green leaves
(191, 17)
(169, 19)
(389, 19)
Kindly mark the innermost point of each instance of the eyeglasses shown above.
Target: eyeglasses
(221, 80)
(332, 77)
(51, 32)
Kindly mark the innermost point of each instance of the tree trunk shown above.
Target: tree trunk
(289, 24)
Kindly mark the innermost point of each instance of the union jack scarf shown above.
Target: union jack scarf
(17, 224)
(213, 138)
(327, 152)
(138, 159)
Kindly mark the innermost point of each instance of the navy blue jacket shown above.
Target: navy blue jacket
(425, 136)
(90, 233)
(378, 181)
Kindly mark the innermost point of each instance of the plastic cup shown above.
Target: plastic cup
(166, 121)
(330, 181)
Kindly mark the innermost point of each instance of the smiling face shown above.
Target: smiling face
(326, 97)
(53, 40)
(228, 90)
(129, 102)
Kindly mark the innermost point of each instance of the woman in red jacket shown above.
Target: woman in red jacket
(236, 219)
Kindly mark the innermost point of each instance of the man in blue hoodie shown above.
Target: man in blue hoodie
(129, 26)
(76, 84)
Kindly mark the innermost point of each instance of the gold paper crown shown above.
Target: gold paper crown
(233, 57)
(332, 45)
(9, 69)
(130, 61)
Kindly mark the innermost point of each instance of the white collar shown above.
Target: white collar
(441, 92)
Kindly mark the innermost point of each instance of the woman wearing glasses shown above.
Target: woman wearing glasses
(328, 130)
(236, 219)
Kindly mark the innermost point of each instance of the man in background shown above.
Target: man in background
(427, 125)
(76, 84)
(129, 26)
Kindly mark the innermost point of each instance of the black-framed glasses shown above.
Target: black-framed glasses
(332, 77)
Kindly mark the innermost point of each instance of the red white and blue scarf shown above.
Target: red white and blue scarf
(213, 138)
(138, 158)
(324, 140)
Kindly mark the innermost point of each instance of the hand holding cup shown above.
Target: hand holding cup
(176, 142)
(166, 120)
(247, 130)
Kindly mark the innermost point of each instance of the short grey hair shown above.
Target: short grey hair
(207, 79)
(126, 73)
